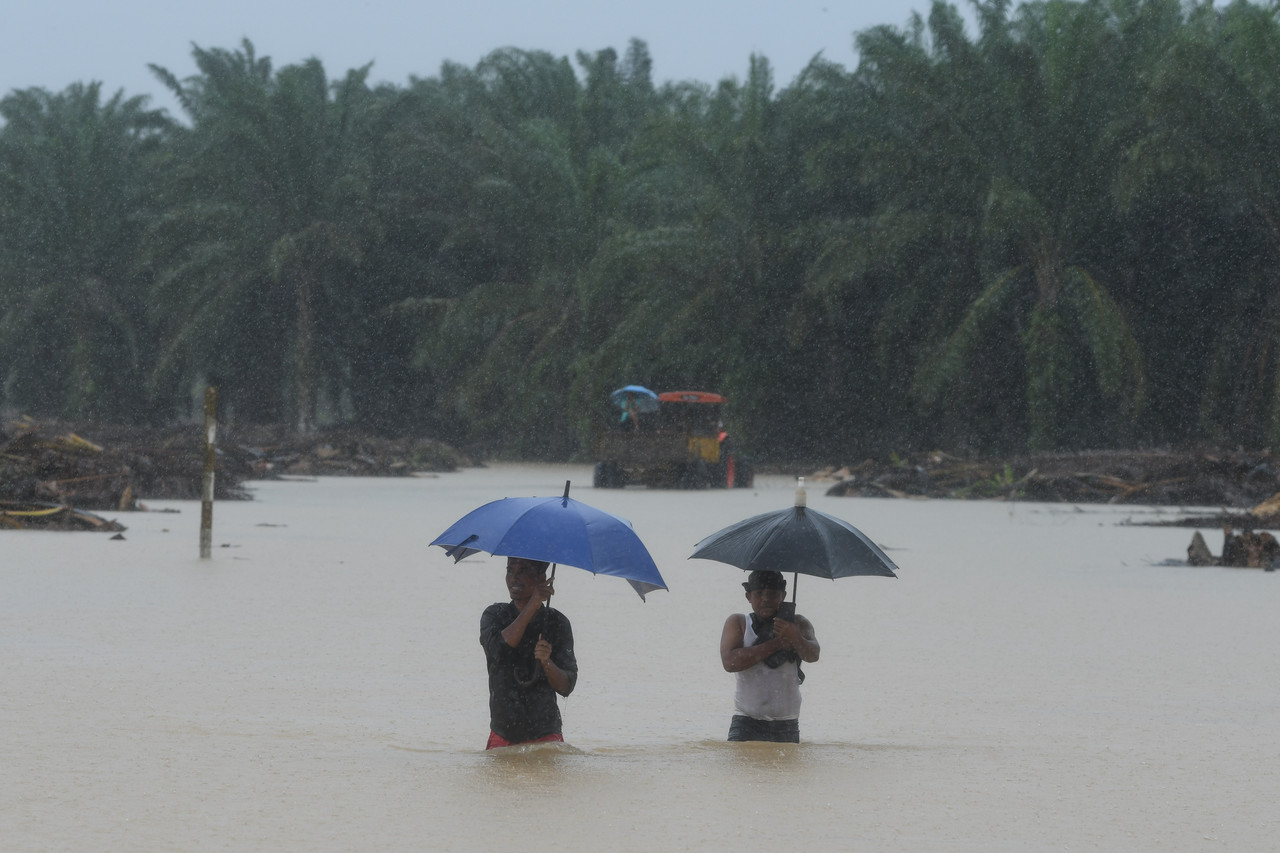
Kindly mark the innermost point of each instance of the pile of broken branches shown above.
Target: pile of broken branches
(1246, 486)
(274, 452)
(50, 476)
(1152, 477)
(52, 473)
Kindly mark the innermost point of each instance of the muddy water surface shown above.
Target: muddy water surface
(1035, 679)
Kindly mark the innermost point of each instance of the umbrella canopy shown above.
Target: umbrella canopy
(558, 530)
(798, 540)
(644, 400)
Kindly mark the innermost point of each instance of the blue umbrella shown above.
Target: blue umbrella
(557, 530)
(646, 401)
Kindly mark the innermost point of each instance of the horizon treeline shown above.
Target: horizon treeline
(1060, 229)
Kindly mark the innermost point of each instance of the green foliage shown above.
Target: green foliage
(1212, 113)
(1017, 131)
(268, 219)
(1056, 230)
(74, 198)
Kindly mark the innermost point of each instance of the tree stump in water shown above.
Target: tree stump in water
(1248, 549)
(1198, 553)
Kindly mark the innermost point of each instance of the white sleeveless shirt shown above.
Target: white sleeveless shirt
(763, 693)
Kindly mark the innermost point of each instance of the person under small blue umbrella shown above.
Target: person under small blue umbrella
(528, 649)
(528, 645)
(630, 412)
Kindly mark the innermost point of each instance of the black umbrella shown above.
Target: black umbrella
(798, 540)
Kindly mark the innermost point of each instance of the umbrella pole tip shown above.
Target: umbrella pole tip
(566, 488)
(801, 500)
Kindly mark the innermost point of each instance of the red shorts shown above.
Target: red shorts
(497, 740)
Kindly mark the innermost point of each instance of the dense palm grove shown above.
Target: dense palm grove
(1059, 230)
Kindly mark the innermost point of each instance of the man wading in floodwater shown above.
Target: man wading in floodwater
(529, 651)
(764, 649)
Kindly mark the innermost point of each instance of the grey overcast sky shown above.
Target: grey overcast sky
(54, 43)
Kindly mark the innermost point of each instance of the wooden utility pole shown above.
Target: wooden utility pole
(210, 446)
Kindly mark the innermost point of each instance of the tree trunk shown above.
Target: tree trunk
(304, 358)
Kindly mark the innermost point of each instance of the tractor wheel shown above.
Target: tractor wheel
(727, 472)
(696, 475)
(744, 474)
(607, 475)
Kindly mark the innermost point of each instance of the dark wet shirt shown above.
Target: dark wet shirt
(522, 704)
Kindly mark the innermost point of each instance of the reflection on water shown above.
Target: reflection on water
(1033, 680)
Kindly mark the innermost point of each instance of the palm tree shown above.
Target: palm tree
(543, 155)
(1212, 114)
(75, 173)
(692, 285)
(1016, 147)
(268, 222)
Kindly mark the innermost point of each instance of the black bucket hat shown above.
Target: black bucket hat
(765, 580)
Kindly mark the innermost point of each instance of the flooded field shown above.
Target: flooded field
(1036, 679)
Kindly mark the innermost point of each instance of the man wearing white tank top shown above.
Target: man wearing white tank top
(764, 649)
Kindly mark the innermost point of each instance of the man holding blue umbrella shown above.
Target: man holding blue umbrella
(528, 650)
(527, 645)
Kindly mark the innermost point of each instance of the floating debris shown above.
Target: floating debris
(1192, 478)
(1249, 549)
(50, 463)
(17, 515)
(52, 472)
(276, 453)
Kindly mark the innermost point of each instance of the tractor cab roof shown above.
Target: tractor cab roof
(690, 397)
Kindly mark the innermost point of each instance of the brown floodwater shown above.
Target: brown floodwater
(1037, 678)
